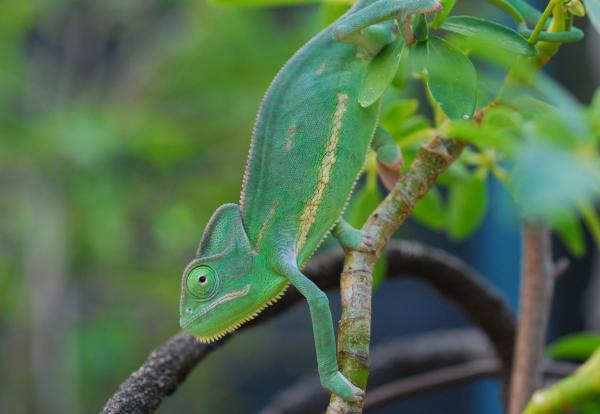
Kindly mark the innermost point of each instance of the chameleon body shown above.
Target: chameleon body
(309, 145)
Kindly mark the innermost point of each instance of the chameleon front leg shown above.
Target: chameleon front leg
(389, 157)
(322, 324)
(347, 28)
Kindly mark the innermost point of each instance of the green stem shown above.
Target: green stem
(542, 22)
(581, 387)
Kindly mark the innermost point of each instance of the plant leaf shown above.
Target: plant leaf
(452, 80)
(380, 271)
(441, 16)
(593, 11)
(591, 219)
(329, 12)
(363, 204)
(578, 346)
(467, 206)
(380, 72)
(547, 179)
(430, 210)
(567, 226)
(488, 31)
(483, 136)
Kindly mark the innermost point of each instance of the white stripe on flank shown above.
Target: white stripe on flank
(309, 214)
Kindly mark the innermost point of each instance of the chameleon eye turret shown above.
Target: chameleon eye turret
(202, 282)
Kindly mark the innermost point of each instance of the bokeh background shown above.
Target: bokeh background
(123, 125)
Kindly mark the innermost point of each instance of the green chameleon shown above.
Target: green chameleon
(309, 145)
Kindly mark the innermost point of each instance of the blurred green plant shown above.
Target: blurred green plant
(111, 116)
(122, 133)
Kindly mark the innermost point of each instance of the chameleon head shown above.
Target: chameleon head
(226, 285)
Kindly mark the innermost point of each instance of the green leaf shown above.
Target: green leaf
(421, 28)
(452, 80)
(593, 11)
(441, 16)
(417, 60)
(329, 12)
(402, 74)
(454, 175)
(467, 206)
(399, 111)
(567, 226)
(547, 179)
(483, 136)
(589, 407)
(591, 219)
(503, 118)
(380, 271)
(578, 346)
(364, 203)
(489, 31)
(380, 72)
(430, 210)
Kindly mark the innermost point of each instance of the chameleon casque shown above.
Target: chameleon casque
(309, 146)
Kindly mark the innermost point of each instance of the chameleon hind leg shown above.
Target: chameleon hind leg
(348, 28)
(389, 158)
(348, 236)
(322, 324)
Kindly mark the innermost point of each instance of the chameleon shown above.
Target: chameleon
(309, 145)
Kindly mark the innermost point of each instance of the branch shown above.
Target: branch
(169, 365)
(404, 368)
(451, 376)
(537, 287)
(354, 331)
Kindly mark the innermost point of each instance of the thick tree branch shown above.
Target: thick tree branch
(169, 364)
(354, 331)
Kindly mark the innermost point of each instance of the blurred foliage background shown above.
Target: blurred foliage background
(123, 125)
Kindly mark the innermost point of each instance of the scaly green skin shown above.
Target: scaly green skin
(309, 145)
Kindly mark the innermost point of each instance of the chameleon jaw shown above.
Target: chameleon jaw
(220, 301)
(234, 326)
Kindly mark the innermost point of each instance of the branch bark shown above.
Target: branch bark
(354, 331)
(537, 287)
(169, 364)
(411, 366)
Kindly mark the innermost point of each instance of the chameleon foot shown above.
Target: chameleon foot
(339, 385)
(351, 238)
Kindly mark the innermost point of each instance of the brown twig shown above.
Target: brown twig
(354, 331)
(537, 286)
(144, 390)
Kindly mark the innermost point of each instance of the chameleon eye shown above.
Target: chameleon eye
(202, 282)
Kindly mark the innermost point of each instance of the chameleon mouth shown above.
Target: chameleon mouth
(237, 324)
(223, 299)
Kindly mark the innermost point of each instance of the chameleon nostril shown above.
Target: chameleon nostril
(188, 310)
